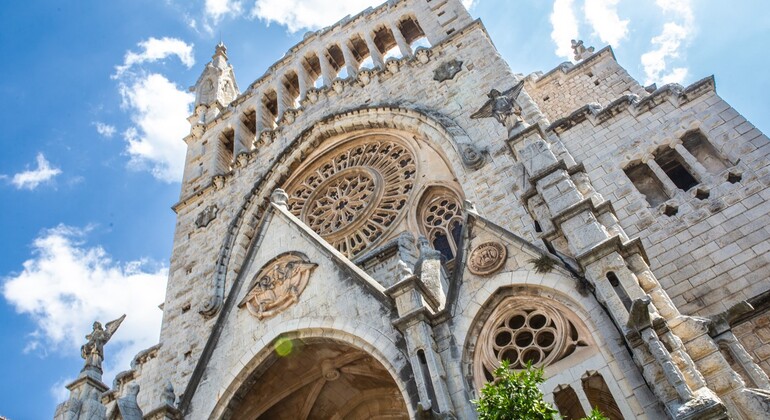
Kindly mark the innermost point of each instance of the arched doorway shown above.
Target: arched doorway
(318, 379)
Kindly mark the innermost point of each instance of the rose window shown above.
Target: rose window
(527, 330)
(354, 193)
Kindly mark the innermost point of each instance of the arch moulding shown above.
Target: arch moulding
(432, 129)
(242, 377)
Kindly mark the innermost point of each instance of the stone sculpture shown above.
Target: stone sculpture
(93, 350)
(503, 107)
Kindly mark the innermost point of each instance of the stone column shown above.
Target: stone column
(302, 78)
(264, 120)
(326, 69)
(701, 172)
(668, 185)
(282, 97)
(350, 61)
(373, 51)
(406, 50)
(241, 143)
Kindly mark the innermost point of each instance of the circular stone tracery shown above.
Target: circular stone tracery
(527, 330)
(354, 193)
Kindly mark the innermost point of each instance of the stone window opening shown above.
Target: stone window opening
(361, 52)
(612, 278)
(313, 69)
(413, 33)
(674, 167)
(225, 152)
(698, 145)
(599, 395)
(527, 329)
(440, 215)
(249, 121)
(647, 183)
(291, 87)
(270, 100)
(337, 60)
(386, 43)
(568, 403)
(354, 193)
(426, 377)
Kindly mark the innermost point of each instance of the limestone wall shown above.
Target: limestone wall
(708, 246)
(598, 79)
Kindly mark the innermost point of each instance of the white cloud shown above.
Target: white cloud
(104, 130)
(159, 110)
(565, 27)
(31, 179)
(65, 286)
(603, 17)
(216, 9)
(308, 14)
(155, 49)
(676, 33)
(311, 14)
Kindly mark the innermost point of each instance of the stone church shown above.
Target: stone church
(370, 228)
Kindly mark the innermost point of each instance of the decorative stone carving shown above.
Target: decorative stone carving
(487, 258)
(447, 70)
(338, 85)
(581, 52)
(423, 55)
(393, 65)
(218, 181)
(93, 350)
(242, 159)
(355, 192)
(504, 107)
(526, 329)
(278, 285)
(206, 216)
(472, 157)
(364, 76)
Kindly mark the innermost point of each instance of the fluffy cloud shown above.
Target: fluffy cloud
(157, 107)
(155, 49)
(603, 17)
(31, 179)
(159, 110)
(65, 286)
(565, 27)
(104, 130)
(675, 34)
(312, 14)
(216, 9)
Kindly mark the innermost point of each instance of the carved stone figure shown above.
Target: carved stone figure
(503, 107)
(487, 258)
(581, 52)
(93, 350)
(278, 285)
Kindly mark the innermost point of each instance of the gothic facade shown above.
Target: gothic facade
(370, 228)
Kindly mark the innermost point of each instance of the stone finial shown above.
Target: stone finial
(581, 52)
(280, 198)
(168, 397)
(469, 207)
(93, 350)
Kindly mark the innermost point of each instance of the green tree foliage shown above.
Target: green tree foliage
(515, 396)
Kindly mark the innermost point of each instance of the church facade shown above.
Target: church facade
(370, 228)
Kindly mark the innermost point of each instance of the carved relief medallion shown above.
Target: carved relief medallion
(206, 216)
(447, 70)
(278, 285)
(487, 258)
(353, 194)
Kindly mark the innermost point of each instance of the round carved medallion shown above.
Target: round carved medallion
(487, 258)
(354, 193)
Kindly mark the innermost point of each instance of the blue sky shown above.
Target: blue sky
(93, 116)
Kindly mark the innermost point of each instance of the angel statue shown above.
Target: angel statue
(503, 106)
(93, 350)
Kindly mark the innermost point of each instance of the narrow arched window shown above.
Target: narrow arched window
(440, 216)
